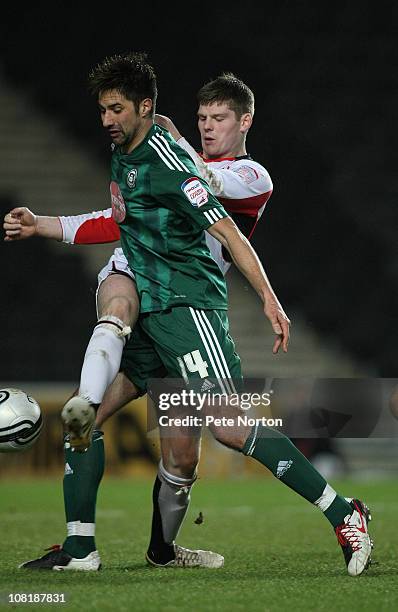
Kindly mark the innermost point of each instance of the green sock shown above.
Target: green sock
(83, 474)
(288, 464)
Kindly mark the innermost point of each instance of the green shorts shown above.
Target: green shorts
(183, 343)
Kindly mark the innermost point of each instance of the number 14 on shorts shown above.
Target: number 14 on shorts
(192, 362)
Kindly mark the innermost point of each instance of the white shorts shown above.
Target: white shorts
(118, 263)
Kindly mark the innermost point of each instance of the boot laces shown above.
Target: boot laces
(349, 535)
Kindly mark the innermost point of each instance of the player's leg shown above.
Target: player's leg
(171, 493)
(176, 338)
(171, 496)
(118, 308)
(275, 451)
(84, 471)
(83, 474)
(215, 360)
(176, 472)
(180, 451)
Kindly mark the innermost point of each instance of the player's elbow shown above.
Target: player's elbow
(224, 231)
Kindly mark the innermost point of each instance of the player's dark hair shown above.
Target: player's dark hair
(129, 73)
(231, 90)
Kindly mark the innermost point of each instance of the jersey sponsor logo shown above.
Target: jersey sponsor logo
(131, 178)
(118, 205)
(195, 192)
(247, 174)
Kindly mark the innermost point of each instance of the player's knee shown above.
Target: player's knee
(174, 478)
(188, 465)
(182, 463)
(123, 307)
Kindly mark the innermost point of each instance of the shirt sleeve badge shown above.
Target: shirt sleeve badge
(196, 193)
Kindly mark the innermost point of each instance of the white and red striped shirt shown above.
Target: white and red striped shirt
(242, 185)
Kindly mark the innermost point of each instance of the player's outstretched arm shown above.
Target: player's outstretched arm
(21, 223)
(87, 228)
(246, 260)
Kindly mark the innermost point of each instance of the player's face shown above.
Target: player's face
(120, 119)
(222, 134)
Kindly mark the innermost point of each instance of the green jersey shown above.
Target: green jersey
(163, 207)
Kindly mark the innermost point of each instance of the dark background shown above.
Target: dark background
(326, 86)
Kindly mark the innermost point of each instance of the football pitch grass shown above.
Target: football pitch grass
(280, 552)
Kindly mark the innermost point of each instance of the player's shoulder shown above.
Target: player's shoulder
(250, 171)
(166, 154)
(246, 161)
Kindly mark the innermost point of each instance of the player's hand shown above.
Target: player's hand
(19, 223)
(280, 324)
(168, 125)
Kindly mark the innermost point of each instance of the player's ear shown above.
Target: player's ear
(146, 106)
(245, 122)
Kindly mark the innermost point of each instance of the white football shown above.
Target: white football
(20, 421)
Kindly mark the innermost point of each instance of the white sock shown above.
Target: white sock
(101, 363)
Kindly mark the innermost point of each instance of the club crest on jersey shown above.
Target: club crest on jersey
(247, 174)
(195, 192)
(132, 178)
(118, 205)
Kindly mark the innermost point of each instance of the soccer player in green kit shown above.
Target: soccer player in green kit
(162, 207)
